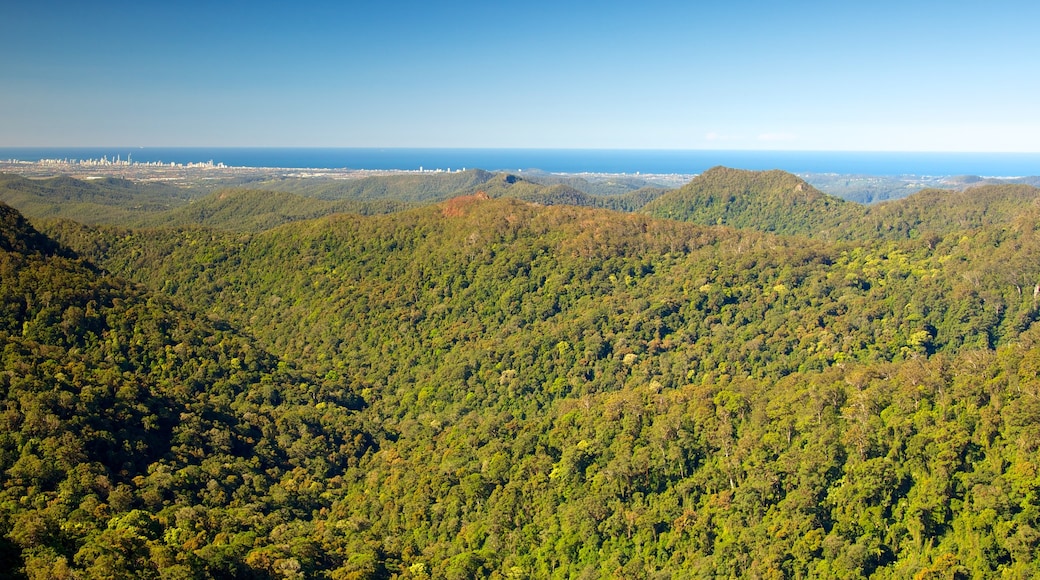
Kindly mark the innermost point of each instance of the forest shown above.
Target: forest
(742, 377)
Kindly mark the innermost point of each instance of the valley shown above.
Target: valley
(481, 374)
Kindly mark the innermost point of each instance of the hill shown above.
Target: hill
(560, 194)
(256, 210)
(146, 204)
(271, 203)
(487, 387)
(108, 200)
(968, 181)
(410, 187)
(228, 274)
(19, 237)
(933, 212)
(141, 437)
(606, 185)
(779, 202)
(771, 201)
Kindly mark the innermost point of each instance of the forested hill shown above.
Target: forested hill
(776, 201)
(135, 432)
(18, 236)
(933, 212)
(257, 210)
(270, 203)
(433, 186)
(410, 187)
(487, 387)
(108, 200)
(770, 201)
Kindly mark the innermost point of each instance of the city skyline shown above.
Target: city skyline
(922, 76)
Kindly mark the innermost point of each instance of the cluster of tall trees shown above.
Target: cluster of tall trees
(493, 388)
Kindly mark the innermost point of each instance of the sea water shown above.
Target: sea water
(562, 160)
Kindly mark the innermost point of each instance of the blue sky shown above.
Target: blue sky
(797, 75)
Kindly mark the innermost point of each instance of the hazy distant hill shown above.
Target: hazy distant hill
(868, 189)
(967, 181)
(772, 201)
(602, 185)
(940, 211)
(410, 187)
(561, 193)
(107, 200)
(769, 201)
(779, 202)
(255, 210)
(124, 202)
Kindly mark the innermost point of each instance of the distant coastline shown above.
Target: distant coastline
(570, 161)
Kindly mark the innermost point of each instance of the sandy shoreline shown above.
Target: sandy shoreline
(195, 173)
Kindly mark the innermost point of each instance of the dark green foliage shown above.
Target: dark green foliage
(560, 194)
(17, 236)
(775, 201)
(598, 185)
(868, 189)
(256, 210)
(408, 187)
(938, 211)
(495, 388)
(621, 193)
(121, 411)
(108, 200)
(771, 201)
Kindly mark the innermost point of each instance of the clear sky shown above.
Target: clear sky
(801, 75)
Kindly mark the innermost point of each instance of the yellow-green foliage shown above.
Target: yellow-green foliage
(493, 388)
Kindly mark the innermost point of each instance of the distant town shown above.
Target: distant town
(194, 172)
(128, 162)
(175, 173)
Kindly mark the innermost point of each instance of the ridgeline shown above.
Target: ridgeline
(772, 383)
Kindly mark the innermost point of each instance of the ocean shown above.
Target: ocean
(564, 160)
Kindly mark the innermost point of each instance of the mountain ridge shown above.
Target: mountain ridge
(490, 387)
(772, 201)
(121, 407)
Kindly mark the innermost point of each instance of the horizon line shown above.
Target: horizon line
(509, 148)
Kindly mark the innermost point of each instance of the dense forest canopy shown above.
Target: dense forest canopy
(491, 387)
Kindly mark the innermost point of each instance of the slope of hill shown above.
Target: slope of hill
(227, 273)
(605, 185)
(96, 201)
(969, 181)
(939, 211)
(779, 202)
(770, 201)
(569, 391)
(410, 187)
(140, 439)
(560, 192)
(18, 236)
(560, 392)
(256, 210)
